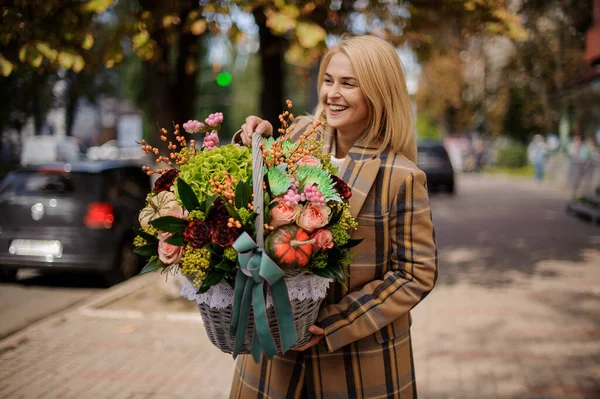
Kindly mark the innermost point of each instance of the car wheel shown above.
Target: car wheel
(8, 275)
(126, 266)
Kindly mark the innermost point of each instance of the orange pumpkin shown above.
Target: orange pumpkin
(289, 246)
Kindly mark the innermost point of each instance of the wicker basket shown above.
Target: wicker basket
(217, 322)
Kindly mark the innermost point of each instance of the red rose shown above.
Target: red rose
(341, 187)
(224, 236)
(218, 212)
(166, 180)
(197, 233)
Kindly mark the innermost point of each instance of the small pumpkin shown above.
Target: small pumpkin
(162, 204)
(289, 246)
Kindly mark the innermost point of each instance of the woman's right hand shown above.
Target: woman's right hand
(255, 124)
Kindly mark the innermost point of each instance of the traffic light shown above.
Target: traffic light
(223, 79)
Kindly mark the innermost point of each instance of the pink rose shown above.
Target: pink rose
(323, 240)
(309, 160)
(168, 253)
(283, 214)
(313, 217)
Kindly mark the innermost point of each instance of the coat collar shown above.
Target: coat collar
(359, 170)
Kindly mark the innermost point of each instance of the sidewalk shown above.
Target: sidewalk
(538, 338)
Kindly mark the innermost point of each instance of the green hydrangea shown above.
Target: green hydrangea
(197, 215)
(318, 261)
(230, 254)
(202, 167)
(245, 215)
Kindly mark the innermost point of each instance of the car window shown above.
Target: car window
(129, 182)
(44, 182)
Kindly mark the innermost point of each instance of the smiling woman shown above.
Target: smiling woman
(361, 345)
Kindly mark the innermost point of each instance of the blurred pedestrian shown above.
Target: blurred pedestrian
(537, 156)
(361, 345)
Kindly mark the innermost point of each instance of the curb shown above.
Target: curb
(95, 301)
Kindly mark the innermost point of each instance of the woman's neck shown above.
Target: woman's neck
(344, 142)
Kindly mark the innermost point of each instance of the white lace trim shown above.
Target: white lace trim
(300, 288)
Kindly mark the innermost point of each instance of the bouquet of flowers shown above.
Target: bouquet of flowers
(201, 219)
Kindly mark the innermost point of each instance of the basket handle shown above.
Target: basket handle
(257, 188)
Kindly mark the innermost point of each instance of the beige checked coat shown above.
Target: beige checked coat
(367, 349)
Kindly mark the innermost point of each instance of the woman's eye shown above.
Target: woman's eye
(348, 84)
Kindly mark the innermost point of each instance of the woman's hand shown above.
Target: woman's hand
(255, 124)
(318, 335)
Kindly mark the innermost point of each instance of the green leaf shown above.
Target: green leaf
(242, 195)
(273, 204)
(214, 277)
(146, 236)
(187, 195)
(267, 215)
(176, 239)
(151, 266)
(170, 224)
(226, 265)
(147, 250)
(335, 216)
(352, 243)
(207, 205)
(232, 211)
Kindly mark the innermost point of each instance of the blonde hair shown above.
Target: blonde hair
(381, 80)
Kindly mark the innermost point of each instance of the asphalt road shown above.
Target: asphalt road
(490, 233)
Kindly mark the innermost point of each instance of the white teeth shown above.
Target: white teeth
(337, 108)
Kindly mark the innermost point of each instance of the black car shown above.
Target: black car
(433, 159)
(72, 217)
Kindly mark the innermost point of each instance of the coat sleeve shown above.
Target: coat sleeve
(412, 272)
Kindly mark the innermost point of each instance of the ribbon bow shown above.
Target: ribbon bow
(256, 269)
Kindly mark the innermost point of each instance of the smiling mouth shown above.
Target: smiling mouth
(337, 108)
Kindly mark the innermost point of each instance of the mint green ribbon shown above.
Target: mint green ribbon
(257, 272)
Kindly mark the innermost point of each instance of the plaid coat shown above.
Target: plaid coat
(367, 349)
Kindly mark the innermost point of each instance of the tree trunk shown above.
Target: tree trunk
(170, 88)
(272, 49)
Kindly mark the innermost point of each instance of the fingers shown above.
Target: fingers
(318, 335)
(314, 340)
(255, 124)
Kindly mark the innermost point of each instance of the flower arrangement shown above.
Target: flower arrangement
(203, 203)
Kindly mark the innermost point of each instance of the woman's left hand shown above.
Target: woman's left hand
(318, 335)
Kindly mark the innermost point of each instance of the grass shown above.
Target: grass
(524, 171)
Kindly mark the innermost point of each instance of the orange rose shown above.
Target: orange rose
(283, 214)
(313, 217)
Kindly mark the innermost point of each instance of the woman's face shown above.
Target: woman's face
(342, 99)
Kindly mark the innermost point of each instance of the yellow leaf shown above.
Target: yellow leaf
(45, 49)
(66, 60)
(88, 42)
(283, 21)
(98, 6)
(36, 60)
(198, 27)
(23, 53)
(310, 34)
(78, 63)
(6, 66)
(140, 39)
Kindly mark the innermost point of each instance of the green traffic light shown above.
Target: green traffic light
(224, 79)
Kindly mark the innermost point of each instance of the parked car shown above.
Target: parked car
(72, 216)
(433, 159)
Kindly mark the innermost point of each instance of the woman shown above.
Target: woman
(361, 345)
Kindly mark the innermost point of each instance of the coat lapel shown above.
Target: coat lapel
(359, 171)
